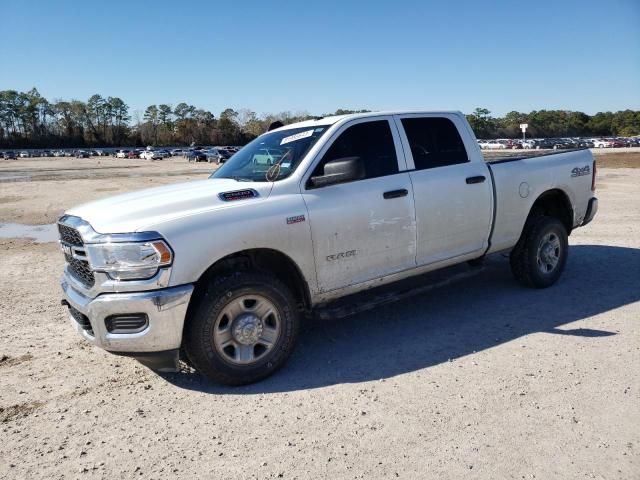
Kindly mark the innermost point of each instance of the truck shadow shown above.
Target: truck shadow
(473, 314)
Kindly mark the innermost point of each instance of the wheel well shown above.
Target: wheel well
(260, 259)
(556, 204)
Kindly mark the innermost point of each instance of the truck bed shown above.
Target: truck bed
(518, 180)
(505, 156)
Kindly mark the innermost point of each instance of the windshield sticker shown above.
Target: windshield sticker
(297, 136)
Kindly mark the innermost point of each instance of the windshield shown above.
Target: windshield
(272, 156)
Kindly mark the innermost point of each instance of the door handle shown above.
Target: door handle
(395, 193)
(478, 179)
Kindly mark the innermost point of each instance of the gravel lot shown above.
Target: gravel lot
(478, 379)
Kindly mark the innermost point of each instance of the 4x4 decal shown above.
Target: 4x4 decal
(579, 172)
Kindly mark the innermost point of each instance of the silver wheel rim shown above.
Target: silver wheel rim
(548, 254)
(247, 329)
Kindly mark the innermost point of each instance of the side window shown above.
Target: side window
(371, 141)
(435, 142)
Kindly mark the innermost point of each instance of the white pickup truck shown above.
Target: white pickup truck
(224, 269)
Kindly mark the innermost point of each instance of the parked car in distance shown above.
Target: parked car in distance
(196, 155)
(133, 154)
(491, 145)
(24, 154)
(617, 143)
(584, 143)
(9, 155)
(601, 143)
(122, 154)
(560, 143)
(218, 155)
(155, 154)
(82, 154)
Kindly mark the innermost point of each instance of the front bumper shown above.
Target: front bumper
(166, 310)
(592, 209)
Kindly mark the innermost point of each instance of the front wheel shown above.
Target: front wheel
(540, 255)
(243, 329)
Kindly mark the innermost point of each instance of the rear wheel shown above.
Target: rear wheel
(540, 255)
(243, 330)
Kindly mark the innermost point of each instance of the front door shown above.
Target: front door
(362, 229)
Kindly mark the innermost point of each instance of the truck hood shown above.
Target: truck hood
(135, 211)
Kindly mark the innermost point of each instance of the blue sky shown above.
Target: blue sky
(272, 56)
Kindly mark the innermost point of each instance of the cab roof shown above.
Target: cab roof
(330, 120)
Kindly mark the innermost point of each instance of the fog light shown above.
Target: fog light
(126, 323)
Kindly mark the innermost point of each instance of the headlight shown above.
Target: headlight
(129, 261)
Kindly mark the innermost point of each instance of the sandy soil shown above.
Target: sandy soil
(38, 190)
(480, 379)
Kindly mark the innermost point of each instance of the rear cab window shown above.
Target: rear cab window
(434, 142)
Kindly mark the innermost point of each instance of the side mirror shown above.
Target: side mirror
(340, 170)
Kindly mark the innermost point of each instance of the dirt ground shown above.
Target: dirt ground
(478, 379)
(38, 190)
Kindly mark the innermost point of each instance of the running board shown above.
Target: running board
(379, 296)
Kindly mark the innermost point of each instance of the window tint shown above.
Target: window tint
(371, 141)
(434, 142)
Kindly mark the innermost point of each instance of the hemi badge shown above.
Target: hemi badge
(238, 195)
(296, 219)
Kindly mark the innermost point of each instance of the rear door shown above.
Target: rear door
(363, 229)
(452, 194)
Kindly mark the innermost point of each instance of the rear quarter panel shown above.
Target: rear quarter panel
(520, 183)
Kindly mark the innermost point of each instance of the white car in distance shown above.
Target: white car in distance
(601, 143)
(154, 154)
(491, 145)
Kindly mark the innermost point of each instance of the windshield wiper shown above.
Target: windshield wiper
(238, 178)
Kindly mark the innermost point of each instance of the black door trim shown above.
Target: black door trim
(476, 179)
(403, 192)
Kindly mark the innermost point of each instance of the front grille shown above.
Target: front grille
(70, 235)
(81, 319)
(79, 268)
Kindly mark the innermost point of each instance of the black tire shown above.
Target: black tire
(524, 258)
(199, 343)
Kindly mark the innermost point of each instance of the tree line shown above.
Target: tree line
(555, 123)
(28, 120)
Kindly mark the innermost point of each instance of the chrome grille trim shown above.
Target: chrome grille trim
(89, 235)
(75, 255)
